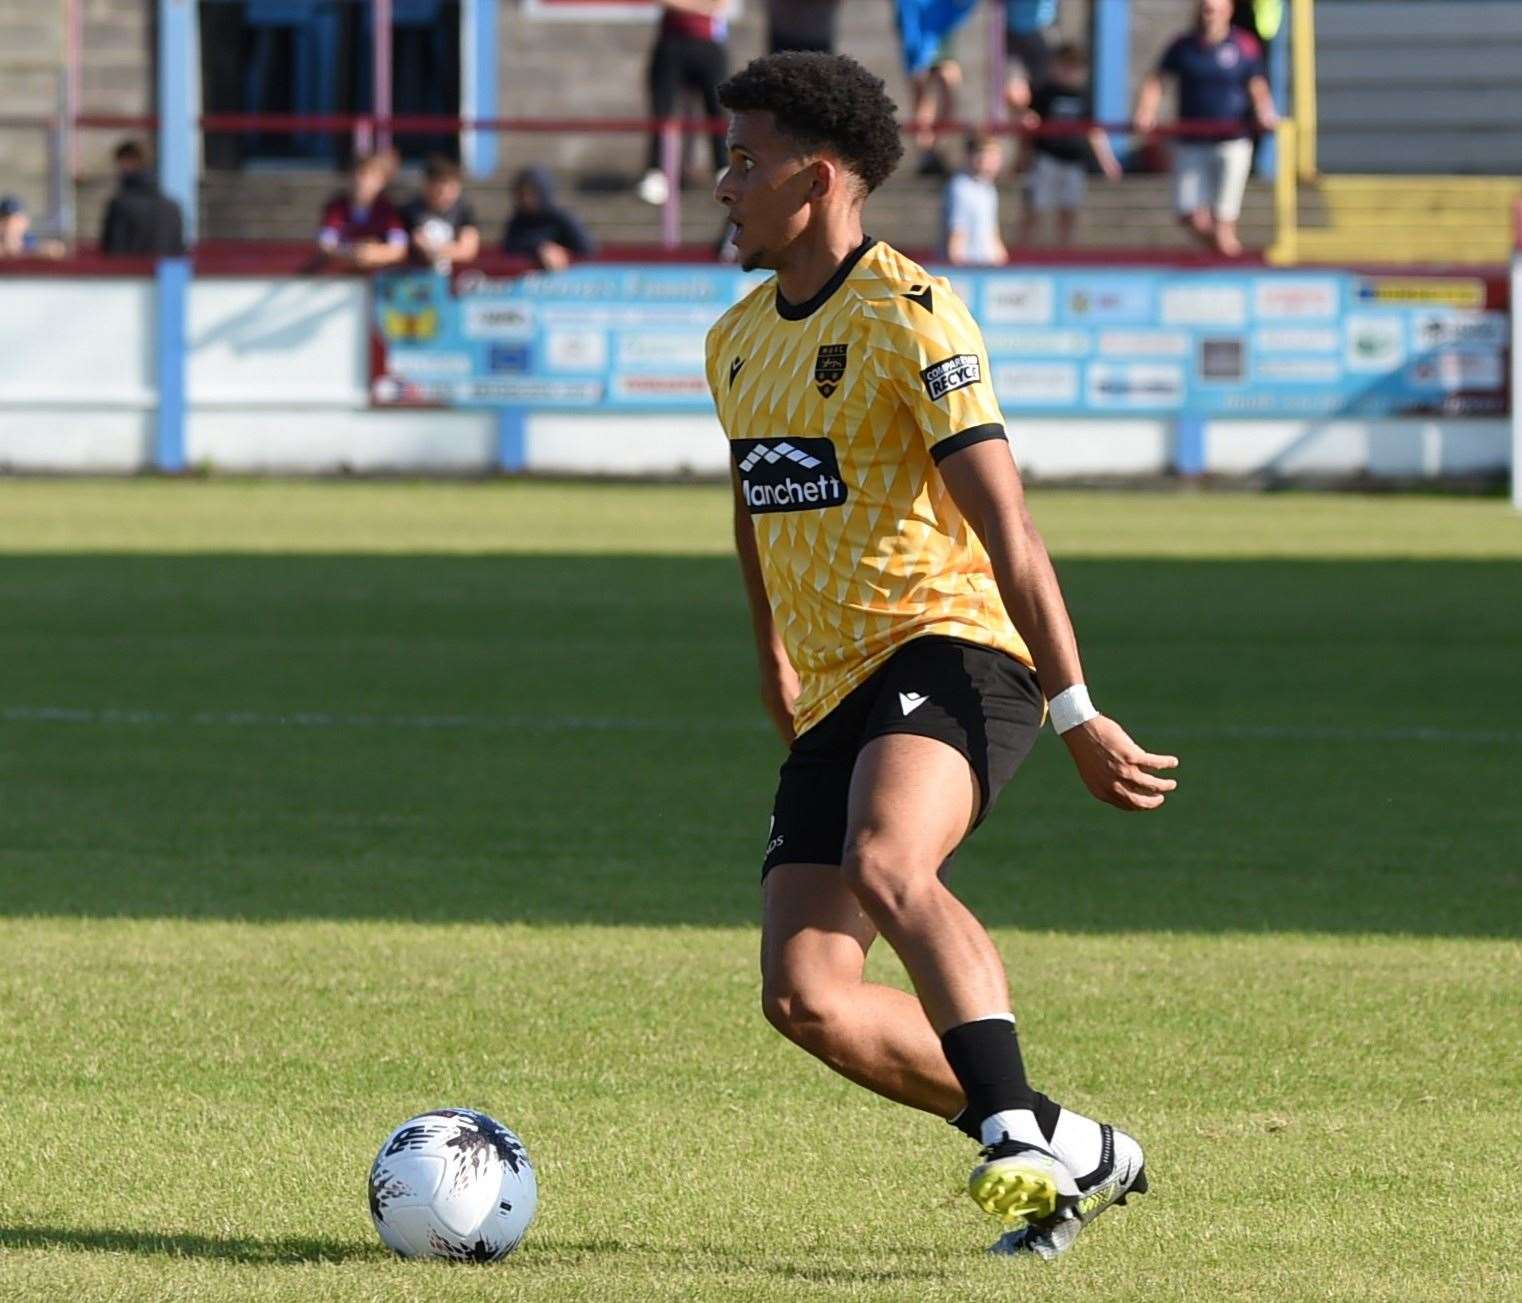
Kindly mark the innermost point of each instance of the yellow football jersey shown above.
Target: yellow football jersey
(837, 412)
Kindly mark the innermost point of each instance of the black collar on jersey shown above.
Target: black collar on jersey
(798, 311)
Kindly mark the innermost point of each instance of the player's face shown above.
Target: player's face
(1215, 12)
(766, 190)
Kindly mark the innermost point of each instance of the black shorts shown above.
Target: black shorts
(982, 702)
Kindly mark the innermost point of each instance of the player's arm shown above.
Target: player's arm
(1099, 142)
(779, 681)
(1148, 100)
(1262, 102)
(985, 484)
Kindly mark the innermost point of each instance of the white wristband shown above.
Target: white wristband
(1071, 707)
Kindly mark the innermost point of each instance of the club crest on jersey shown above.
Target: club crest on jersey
(829, 367)
(788, 474)
(941, 378)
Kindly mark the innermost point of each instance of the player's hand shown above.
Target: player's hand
(1114, 768)
(779, 691)
(1145, 121)
(553, 257)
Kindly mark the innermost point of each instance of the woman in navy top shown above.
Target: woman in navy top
(1223, 101)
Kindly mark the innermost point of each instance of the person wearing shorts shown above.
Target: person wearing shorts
(1061, 114)
(908, 628)
(1223, 101)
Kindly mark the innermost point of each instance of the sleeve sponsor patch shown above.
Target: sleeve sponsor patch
(954, 373)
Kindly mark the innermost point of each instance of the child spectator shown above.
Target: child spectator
(1221, 79)
(1060, 158)
(688, 54)
(971, 214)
(539, 228)
(439, 221)
(360, 227)
(16, 238)
(140, 219)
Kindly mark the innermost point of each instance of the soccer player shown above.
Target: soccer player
(903, 606)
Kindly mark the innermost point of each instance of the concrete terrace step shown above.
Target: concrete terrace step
(1420, 219)
(1136, 213)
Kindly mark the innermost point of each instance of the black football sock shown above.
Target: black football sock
(1047, 1112)
(985, 1056)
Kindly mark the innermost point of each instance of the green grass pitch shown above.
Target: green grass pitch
(324, 804)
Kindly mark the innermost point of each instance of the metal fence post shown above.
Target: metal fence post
(671, 165)
(171, 295)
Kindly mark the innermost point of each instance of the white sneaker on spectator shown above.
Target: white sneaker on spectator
(653, 187)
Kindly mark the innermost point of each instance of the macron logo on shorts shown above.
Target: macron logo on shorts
(942, 378)
(909, 702)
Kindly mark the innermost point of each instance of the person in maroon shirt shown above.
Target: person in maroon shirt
(360, 227)
(688, 54)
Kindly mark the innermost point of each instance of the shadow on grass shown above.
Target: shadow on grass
(551, 1252)
(240, 1249)
(576, 739)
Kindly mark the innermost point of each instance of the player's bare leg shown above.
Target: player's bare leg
(912, 800)
(814, 943)
(1226, 242)
(1200, 224)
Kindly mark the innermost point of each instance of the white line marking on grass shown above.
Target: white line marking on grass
(323, 719)
(632, 724)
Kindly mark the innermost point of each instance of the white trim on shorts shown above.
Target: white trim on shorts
(1211, 174)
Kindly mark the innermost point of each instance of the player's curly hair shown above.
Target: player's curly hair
(823, 101)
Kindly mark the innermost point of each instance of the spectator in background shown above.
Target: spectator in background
(541, 229)
(360, 227)
(971, 207)
(802, 25)
(1028, 29)
(688, 54)
(927, 37)
(16, 238)
(1060, 163)
(440, 223)
(140, 219)
(1221, 80)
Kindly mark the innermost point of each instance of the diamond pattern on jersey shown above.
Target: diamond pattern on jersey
(851, 581)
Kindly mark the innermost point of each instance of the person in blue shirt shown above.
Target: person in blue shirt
(927, 39)
(970, 207)
(1223, 102)
(1028, 29)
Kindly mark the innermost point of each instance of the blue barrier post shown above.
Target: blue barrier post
(179, 76)
(1189, 445)
(1278, 86)
(1112, 67)
(478, 39)
(171, 287)
(512, 439)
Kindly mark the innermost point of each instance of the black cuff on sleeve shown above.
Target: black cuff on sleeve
(965, 439)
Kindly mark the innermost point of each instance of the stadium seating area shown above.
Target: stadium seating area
(1434, 188)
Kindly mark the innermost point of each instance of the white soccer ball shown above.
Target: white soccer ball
(453, 1184)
